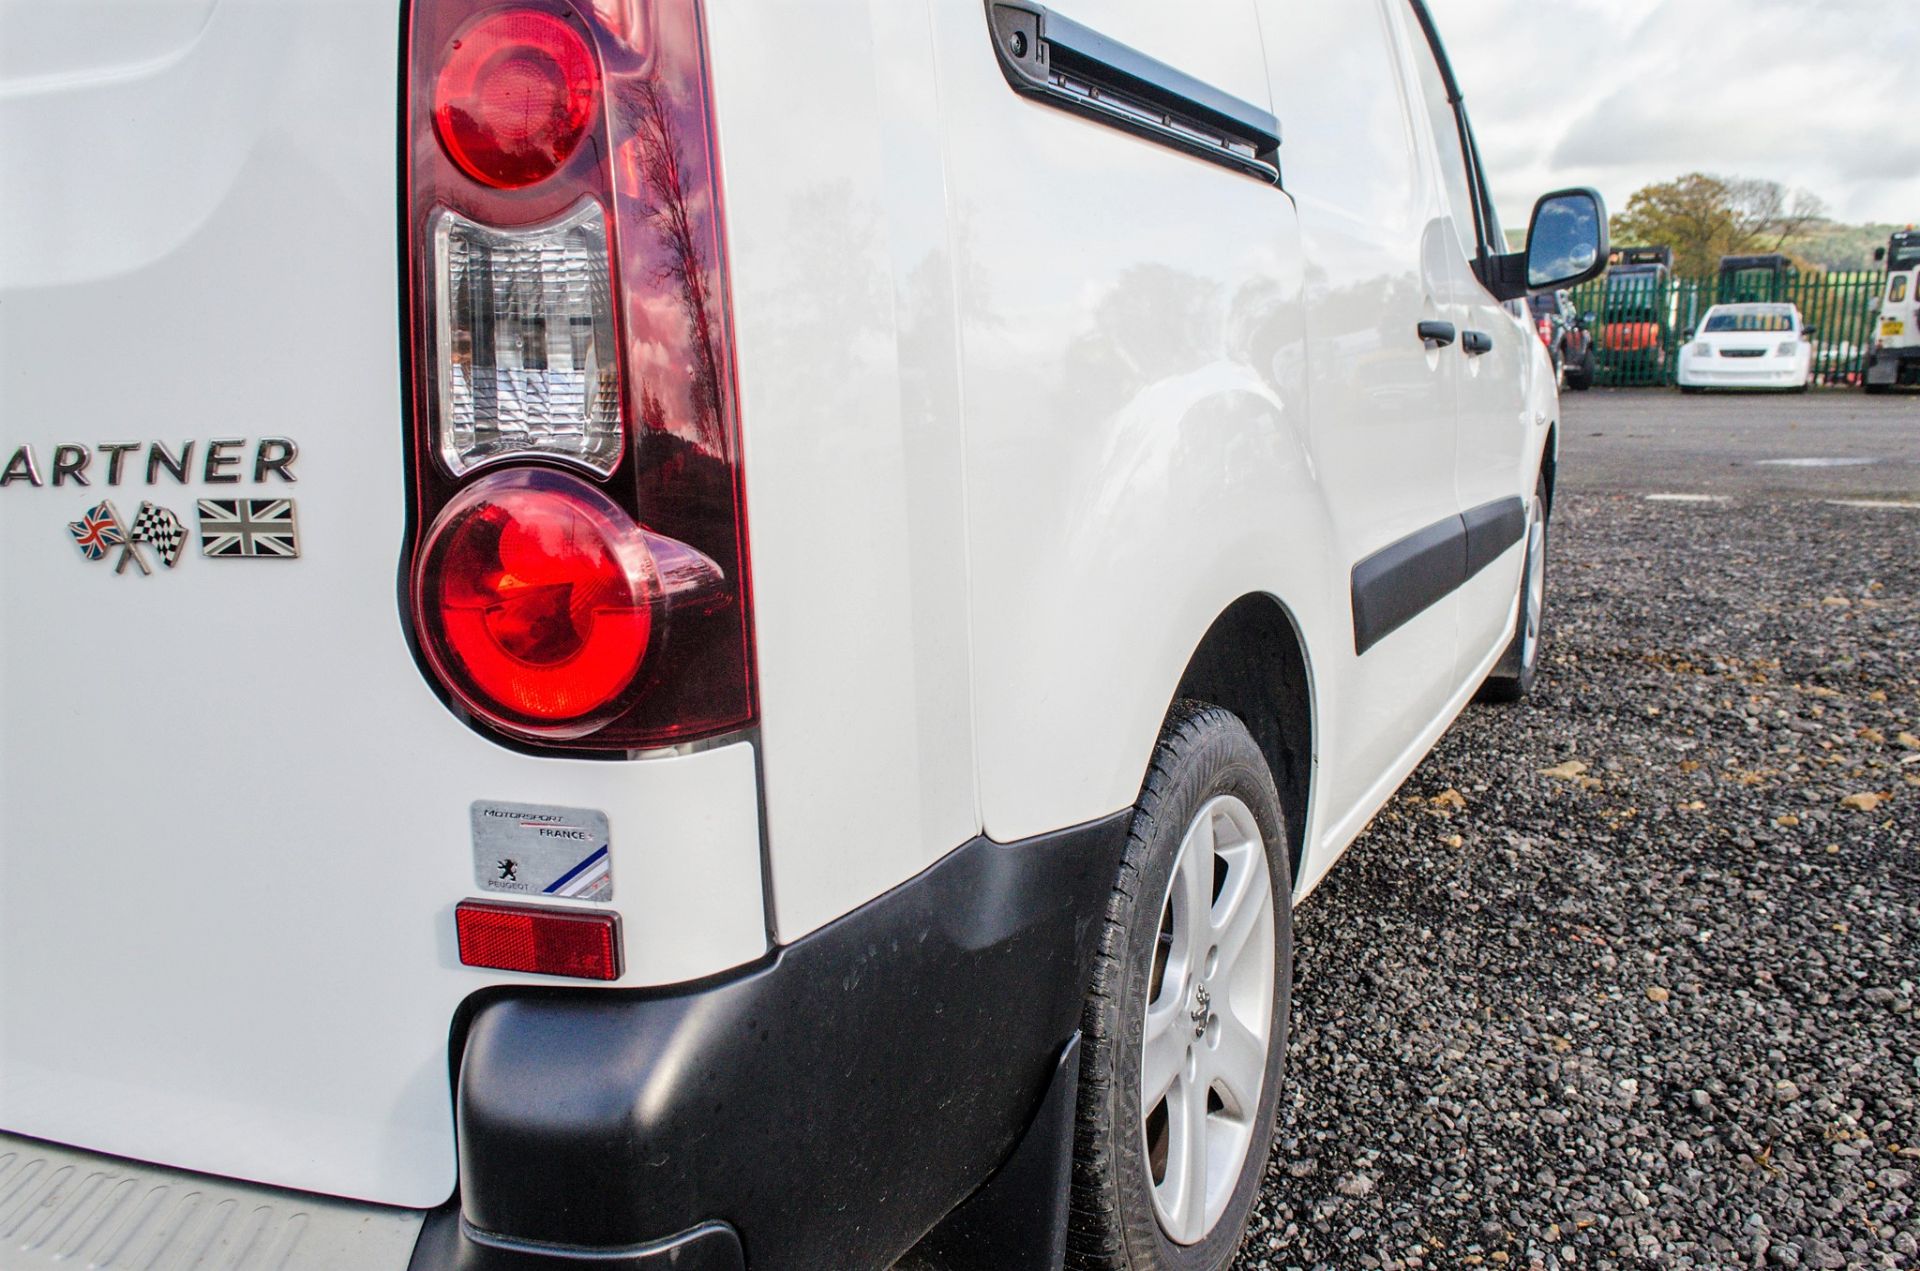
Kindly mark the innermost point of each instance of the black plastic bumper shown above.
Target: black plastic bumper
(1894, 366)
(826, 1109)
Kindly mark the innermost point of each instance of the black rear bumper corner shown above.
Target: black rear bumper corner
(827, 1108)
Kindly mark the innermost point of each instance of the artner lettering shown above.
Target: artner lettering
(223, 461)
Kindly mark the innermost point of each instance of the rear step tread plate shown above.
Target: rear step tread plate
(65, 1208)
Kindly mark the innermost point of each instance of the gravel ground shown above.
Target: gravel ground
(1625, 977)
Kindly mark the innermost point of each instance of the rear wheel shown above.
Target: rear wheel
(1580, 375)
(1186, 1022)
(1512, 677)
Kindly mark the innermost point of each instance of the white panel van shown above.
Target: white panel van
(666, 633)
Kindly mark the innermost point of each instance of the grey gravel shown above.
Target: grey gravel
(1659, 1010)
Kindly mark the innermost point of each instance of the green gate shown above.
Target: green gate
(1640, 322)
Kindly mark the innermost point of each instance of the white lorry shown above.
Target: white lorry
(646, 633)
(1895, 356)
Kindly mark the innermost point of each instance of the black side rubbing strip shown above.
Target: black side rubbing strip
(1491, 529)
(1396, 584)
(1056, 60)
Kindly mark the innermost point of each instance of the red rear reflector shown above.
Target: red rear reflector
(580, 944)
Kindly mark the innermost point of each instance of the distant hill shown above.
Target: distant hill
(1825, 245)
(1833, 246)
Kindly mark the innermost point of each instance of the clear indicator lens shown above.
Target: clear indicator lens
(528, 361)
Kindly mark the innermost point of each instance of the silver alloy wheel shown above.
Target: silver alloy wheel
(1536, 596)
(1203, 1054)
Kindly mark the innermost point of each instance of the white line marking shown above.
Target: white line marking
(1898, 505)
(1817, 463)
(1686, 498)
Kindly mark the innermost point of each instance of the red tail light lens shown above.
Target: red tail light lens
(537, 595)
(570, 942)
(568, 307)
(517, 92)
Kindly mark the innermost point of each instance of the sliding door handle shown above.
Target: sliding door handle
(1474, 343)
(1438, 334)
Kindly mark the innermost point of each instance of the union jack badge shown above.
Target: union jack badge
(98, 530)
(249, 527)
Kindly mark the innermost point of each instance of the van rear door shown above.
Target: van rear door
(234, 818)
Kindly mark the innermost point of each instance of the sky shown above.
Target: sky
(1616, 94)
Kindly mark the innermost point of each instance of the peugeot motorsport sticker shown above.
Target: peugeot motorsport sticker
(536, 850)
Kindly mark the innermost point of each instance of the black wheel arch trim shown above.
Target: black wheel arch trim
(789, 1106)
(1404, 579)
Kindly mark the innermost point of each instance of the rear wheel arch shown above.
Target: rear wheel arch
(1253, 662)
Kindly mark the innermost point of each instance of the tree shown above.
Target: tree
(1704, 217)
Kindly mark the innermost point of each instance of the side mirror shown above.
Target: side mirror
(1588, 319)
(1567, 242)
(1807, 333)
(1566, 245)
(1879, 254)
(1686, 335)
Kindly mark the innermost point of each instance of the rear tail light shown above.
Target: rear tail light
(515, 94)
(582, 944)
(577, 562)
(1546, 332)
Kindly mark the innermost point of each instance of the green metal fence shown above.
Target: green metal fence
(1640, 322)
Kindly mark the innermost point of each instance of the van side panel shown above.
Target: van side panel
(1133, 386)
(1383, 412)
(843, 311)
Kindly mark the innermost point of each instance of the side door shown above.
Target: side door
(1497, 428)
(1381, 397)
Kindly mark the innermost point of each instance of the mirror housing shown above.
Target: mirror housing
(1808, 332)
(1567, 244)
(1879, 254)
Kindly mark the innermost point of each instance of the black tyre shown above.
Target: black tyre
(1512, 677)
(1877, 389)
(1188, 1007)
(1580, 375)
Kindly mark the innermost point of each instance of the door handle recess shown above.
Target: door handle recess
(1474, 343)
(1438, 334)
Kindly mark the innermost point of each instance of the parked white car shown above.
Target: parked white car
(433, 838)
(1749, 346)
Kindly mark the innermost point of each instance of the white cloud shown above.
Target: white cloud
(1620, 93)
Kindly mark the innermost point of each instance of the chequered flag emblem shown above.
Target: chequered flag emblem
(248, 527)
(159, 527)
